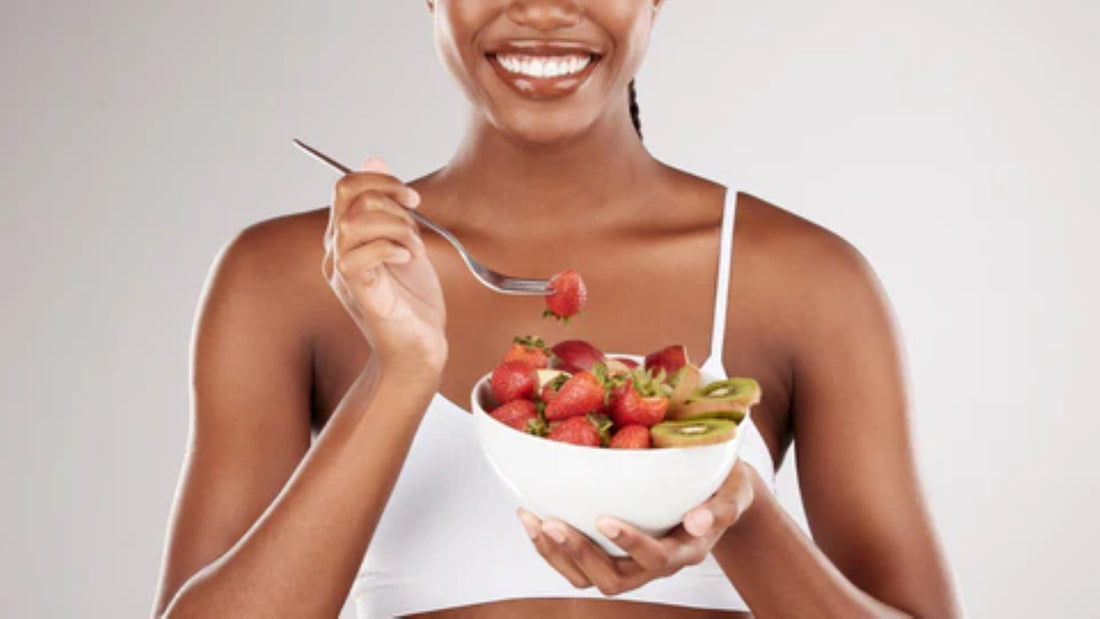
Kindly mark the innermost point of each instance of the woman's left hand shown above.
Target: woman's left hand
(584, 564)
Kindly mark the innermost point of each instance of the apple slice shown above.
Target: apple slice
(616, 367)
(576, 355)
(671, 358)
(630, 363)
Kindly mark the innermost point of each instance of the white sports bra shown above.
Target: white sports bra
(449, 535)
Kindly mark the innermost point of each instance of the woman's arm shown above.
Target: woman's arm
(874, 541)
(263, 524)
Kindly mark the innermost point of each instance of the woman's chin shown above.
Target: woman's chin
(542, 132)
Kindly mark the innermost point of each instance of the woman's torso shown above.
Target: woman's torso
(676, 261)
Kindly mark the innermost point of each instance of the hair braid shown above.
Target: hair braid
(634, 110)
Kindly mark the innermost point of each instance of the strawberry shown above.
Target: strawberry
(631, 437)
(530, 349)
(576, 430)
(583, 393)
(550, 389)
(643, 400)
(671, 358)
(633, 409)
(518, 414)
(567, 295)
(513, 380)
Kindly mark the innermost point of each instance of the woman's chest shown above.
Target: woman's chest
(638, 301)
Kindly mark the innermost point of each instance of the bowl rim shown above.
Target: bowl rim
(478, 410)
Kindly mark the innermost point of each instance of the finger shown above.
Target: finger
(326, 265)
(356, 229)
(722, 510)
(644, 550)
(371, 200)
(683, 548)
(374, 202)
(597, 565)
(374, 163)
(351, 185)
(552, 552)
(330, 229)
(358, 266)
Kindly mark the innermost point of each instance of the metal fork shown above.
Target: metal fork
(493, 280)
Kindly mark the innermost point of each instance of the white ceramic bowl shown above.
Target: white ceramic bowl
(651, 489)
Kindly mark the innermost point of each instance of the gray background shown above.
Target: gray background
(952, 142)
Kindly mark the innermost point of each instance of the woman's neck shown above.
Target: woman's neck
(507, 184)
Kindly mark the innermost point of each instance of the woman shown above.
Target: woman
(551, 174)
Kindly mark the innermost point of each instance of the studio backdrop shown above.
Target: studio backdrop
(954, 143)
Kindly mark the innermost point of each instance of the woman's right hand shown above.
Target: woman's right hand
(378, 267)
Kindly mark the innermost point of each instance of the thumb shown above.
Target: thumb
(725, 508)
(375, 163)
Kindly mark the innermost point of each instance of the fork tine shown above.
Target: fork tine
(529, 285)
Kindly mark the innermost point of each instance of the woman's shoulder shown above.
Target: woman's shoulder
(280, 244)
(805, 281)
(788, 248)
(274, 260)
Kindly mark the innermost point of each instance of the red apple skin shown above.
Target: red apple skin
(671, 358)
(576, 355)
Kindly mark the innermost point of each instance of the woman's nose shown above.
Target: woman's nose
(545, 14)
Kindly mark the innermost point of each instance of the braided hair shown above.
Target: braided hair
(634, 110)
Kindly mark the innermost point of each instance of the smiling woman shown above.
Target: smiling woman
(394, 502)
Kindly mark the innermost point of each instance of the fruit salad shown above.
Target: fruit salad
(573, 393)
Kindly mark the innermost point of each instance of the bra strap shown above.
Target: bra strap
(725, 256)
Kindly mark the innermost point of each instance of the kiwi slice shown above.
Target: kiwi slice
(685, 380)
(741, 391)
(706, 409)
(693, 433)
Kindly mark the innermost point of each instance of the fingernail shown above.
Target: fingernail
(375, 163)
(401, 255)
(555, 531)
(529, 525)
(414, 198)
(608, 527)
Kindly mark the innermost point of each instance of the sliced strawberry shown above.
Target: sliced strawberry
(631, 408)
(583, 393)
(567, 295)
(670, 358)
(576, 430)
(575, 355)
(631, 437)
(530, 349)
(513, 380)
(517, 414)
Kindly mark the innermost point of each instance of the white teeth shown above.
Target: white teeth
(544, 66)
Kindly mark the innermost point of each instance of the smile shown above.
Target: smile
(543, 76)
(543, 66)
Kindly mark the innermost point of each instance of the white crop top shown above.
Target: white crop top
(449, 535)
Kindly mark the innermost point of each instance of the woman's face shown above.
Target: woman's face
(500, 51)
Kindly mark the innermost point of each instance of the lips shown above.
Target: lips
(539, 88)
